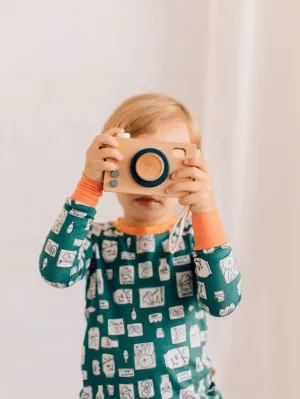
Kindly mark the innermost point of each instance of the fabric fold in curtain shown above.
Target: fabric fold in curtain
(251, 125)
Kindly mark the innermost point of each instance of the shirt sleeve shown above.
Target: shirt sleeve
(218, 278)
(70, 245)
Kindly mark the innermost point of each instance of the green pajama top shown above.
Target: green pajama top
(145, 308)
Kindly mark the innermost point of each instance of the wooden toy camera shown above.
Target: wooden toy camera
(147, 165)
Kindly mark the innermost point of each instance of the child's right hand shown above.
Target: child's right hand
(95, 163)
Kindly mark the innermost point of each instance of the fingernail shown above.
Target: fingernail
(173, 175)
(186, 161)
(167, 190)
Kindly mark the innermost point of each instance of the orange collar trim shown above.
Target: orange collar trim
(144, 230)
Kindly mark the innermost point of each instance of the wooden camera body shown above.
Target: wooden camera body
(147, 165)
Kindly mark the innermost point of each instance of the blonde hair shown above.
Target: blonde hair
(144, 113)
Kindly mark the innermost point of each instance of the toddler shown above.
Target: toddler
(145, 307)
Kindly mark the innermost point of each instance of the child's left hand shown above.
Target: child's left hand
(200, 194)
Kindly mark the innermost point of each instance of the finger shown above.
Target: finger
(188, 199)
(191, 199)
(105, 139)
(197, 162)
(110, 153)
(109, 166)
(193, 172)
(104, 165)
(185, 186)
(113, 131)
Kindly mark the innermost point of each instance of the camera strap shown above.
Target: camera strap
(181, 219)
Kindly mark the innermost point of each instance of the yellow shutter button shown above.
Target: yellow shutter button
(149, 166)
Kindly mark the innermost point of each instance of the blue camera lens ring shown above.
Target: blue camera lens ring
(143, 182)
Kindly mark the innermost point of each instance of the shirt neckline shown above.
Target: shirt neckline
(144, 230)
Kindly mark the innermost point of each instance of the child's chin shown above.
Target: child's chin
(149, 213)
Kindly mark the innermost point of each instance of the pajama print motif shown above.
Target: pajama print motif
(145, 308)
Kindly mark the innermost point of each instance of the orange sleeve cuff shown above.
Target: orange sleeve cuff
(87, 191)
(208, 230)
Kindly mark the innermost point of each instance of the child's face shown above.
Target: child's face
(147, 207)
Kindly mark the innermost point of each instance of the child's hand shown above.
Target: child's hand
(102, 147)
(200, 194)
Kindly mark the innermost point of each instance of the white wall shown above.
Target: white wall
(64, 66)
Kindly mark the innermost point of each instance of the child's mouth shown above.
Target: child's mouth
(147, 201)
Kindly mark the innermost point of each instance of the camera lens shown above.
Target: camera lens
(149, 166)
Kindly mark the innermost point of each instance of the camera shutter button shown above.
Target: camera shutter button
(149, 166)
(123, 135)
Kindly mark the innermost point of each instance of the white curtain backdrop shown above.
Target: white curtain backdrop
(251, 123)
(64, 66)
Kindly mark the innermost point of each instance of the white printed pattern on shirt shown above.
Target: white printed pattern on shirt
(144, 353)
